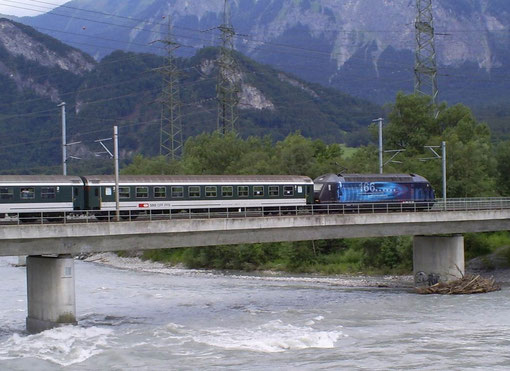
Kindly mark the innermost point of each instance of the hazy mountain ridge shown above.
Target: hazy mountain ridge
(363, 47)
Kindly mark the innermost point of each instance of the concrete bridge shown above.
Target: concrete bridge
(438, 247)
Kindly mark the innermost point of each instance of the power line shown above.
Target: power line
(397, 30)
(325, 53)
(243, 37)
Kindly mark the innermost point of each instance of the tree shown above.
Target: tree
(470, 162)
(295, 155)
(152, 166)
(503, 168)
(213, 153)
(412, 123)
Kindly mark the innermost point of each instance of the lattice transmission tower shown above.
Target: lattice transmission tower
(425, 68)
(227, 88)
(171, 138)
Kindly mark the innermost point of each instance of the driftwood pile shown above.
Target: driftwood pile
(468, 284)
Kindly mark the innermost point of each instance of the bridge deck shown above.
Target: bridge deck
(81, 236)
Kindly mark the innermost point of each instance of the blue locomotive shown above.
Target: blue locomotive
(351, 189)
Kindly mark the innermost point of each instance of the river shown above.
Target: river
(148, 317)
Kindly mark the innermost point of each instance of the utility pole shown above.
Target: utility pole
(64, 140)
(425, 68)
(443, 152)
(227, 89)
(443, 158)
(380, 121)
(116, 160)
(171, 138)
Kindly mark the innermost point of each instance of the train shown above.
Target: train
(53, 196)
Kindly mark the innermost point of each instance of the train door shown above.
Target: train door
(92, 198)
(78, 198)
(95, 198)
(419, 194)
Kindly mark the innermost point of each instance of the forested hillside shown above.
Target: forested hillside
(124, 89)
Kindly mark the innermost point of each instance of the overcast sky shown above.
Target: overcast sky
(28, 7)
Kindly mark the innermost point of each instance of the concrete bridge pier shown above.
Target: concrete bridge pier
(50, 292)
(437, 259)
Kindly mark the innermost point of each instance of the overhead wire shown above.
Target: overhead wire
(243, 37)
(302, 49)
(325, 53)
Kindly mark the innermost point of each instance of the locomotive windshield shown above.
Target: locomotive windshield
(317, 187)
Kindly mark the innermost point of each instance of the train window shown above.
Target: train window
(108, 191)
(159, 192)
(299, 189)
(274, 191)
(27, 193)
(258, 191)
(227, 191)
(194, 191)
(243, 191)
(124, 192)
(177, 191)
(6, 193)
(142, 192)
(48, 193)
(96, 192)
(211, 191)
(288, 191)
(317, 187)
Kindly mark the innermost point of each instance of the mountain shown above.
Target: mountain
(362, 47)
(37, 72)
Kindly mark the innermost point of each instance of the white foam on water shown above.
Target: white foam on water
(64, 346)
(274, 336)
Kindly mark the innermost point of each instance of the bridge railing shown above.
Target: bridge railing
(92, 216)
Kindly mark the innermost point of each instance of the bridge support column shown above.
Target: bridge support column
(22, 261)
(50, 292)
(437, 259)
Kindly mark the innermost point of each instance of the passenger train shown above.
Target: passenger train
(52, 196)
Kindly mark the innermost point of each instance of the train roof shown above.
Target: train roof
(197, 179)
(39, 180)
(382, 178)
(403, 178)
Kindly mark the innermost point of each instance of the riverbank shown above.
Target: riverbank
(500, 275)
(361, 281)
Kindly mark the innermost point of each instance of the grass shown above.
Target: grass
(348, 151)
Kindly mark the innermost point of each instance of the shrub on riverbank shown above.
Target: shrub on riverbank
(381, 255)
(362, 255)
(484, 244)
